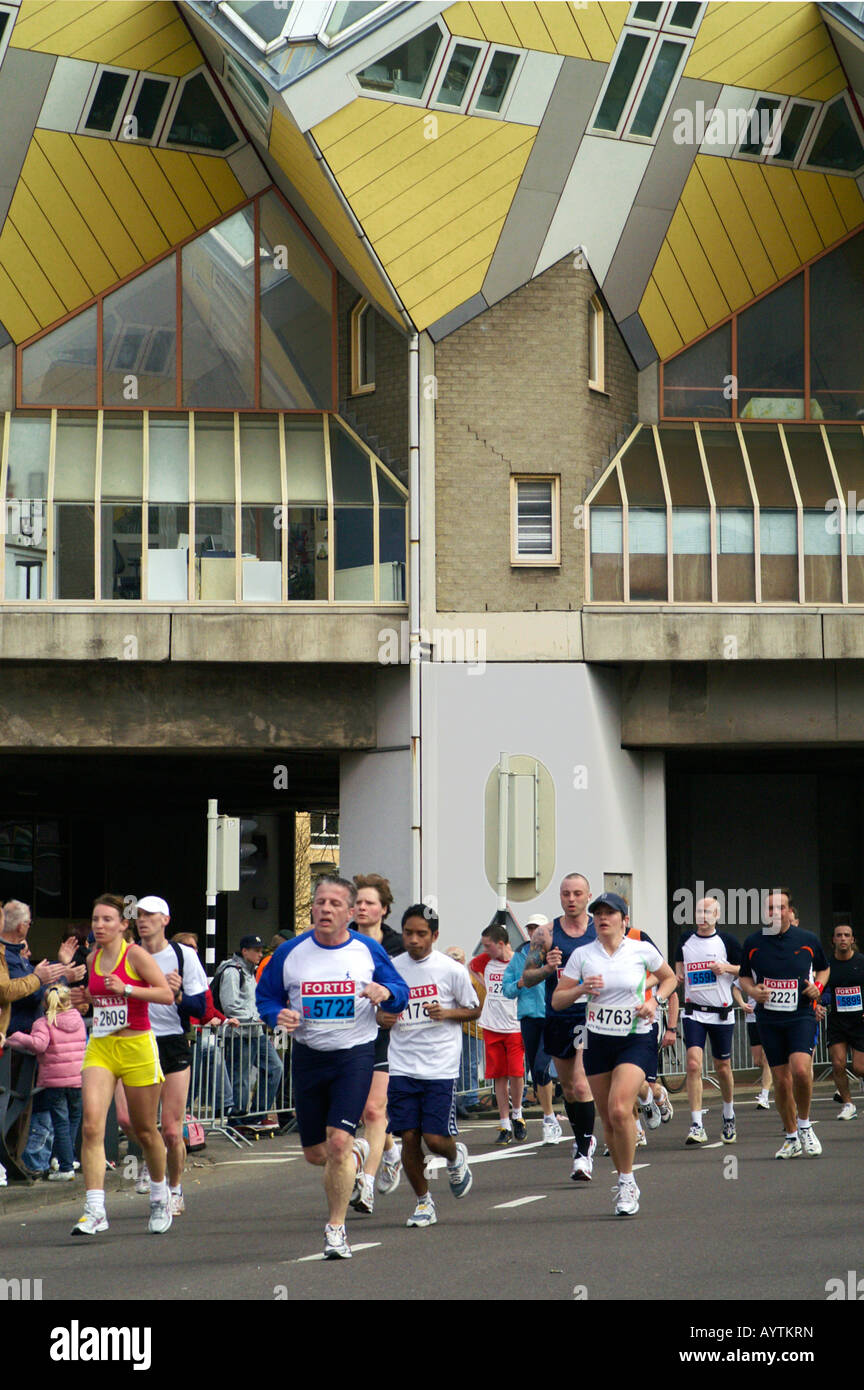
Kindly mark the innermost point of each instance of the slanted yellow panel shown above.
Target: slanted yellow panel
(848, 200)
(696, 267)
(349, 119)
(93, 24)
(156, 191)
(615, 13)
(563, 28)
(725, 253)
(103, 211)
(738, 225)
(38, 232)
(677, 293)
(374, 146)
(743, 39)
(444, 211)
(103, 159)
(407, 152)
(429, 310)
(826, 87)
(773, 232)
(169, 50)
(821, 205)
(28, 274)
(453, 160)
(789, 70)
(67, 220)
(15, 315)
(37, 23)
(436, 248)
(461, 19)
(529, 25)
(598, 30)
(658, 321)
(293, 155)
(794, 211)
(188, 185)
(473, 252)
(220, 179)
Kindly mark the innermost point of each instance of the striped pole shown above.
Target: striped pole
(210, 950)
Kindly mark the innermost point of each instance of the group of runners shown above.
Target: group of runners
(376, 1020)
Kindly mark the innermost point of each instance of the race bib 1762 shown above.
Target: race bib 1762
(415, 1011)
(329, 1002)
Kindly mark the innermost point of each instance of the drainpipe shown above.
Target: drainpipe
(414, 649)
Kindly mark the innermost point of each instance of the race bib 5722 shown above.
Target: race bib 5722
(329, 1002)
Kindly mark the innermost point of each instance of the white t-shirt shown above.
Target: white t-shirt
(613, 1011)
(701, 985)
(164, 1018)
(420, 1047)
(499, 1013)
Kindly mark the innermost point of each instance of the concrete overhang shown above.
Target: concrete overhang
(706, 634)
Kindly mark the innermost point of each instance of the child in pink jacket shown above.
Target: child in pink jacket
(58, 1040)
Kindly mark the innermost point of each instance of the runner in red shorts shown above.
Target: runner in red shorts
(502, 1035)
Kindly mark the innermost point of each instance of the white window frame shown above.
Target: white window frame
(804, 152)
(655, 31)
(352, 28)
(303, 22)
(82, 128)
(248, 32)
(494, 48)
(479, 45)
(815, 107)
(535, 561)
(597, 330)
(760, 157)
(12, 11)
(431, 81)
(249, 98)
(358, 386)
(130, 107)
(172, 112)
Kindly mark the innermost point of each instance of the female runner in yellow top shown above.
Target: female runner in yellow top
(122, 982)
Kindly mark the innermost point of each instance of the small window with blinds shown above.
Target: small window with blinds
(534, 520)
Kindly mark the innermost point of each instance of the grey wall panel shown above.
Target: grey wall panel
(549, 163)
(635, 335)
(670, 164)
(457, 317)
(24, 79)
(634, 259)
(7, 372)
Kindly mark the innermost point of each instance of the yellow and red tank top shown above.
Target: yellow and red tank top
(137, 1010)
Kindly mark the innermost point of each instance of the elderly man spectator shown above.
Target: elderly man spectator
(21, 983)
(249, 1045)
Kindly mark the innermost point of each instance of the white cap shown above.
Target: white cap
(152, 904)
(538, 920)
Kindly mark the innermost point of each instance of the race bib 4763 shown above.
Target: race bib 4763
(617, 1019)
(328, 1001)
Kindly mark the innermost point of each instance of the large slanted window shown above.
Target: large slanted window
(645, 69)
(239, 318)
(270, 24)
(406, 71)
(796, 353)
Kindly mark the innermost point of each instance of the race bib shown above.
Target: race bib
(415, 1012)
(699, 972)
(329, 1002)
(494, 980)
(783, 997)
(109, 1016)
(617, 1020)
(848, 999)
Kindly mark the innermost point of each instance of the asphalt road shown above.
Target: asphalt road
(718, 1223)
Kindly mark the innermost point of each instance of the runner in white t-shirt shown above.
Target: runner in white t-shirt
(612, 973)
(707, 963)
(504, 1051)
(424, 1055)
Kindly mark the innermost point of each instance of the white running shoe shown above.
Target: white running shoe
(790, 1148)
(651, 1110)
(459, 1175)
(59, 1176)
(762, 1101)
(336, 1245)
(160, 1217)
(665, 1106)
(390, 1172)
(809, 1143)
(91, 1223)
(641, 1140)
(4, 1182)
(361, 1153)
(142, 1182)
(176, 1202)
(424, 1213)
(552, 1132)
(583, 1164)
(696, 1135)
(848, 1112)
(627, 1199)
(364, 1200)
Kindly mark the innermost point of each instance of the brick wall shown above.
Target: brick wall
(382, 414)
(513, 397)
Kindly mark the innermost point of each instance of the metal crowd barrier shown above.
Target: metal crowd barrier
(675, 1058)
(241, 1075)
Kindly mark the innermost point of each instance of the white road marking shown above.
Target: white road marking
(719, 1145)
(244, 1162)
(520, 1202)
(308, 1259)
(487, 1158)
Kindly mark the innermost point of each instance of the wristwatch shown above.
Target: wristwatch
(127, 990)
